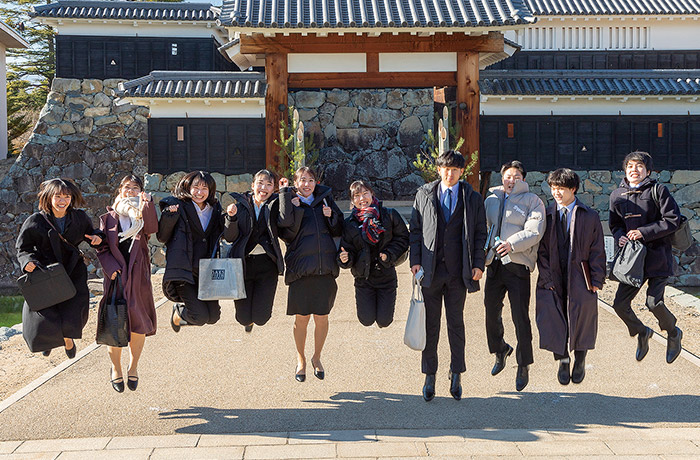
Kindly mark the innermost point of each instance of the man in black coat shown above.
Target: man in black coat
(447, 237)
(636, 215)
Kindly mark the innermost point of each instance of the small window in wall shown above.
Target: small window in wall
(180, 133)
(511, 131)
(659, 130)
(173, 49)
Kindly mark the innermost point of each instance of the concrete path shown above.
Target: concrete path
(217, 392)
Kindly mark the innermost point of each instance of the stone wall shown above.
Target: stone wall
(373, 135)
(595, 190)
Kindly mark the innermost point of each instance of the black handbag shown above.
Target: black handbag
(113, 318)
(46, 286)
(682, 239)
(628, 265)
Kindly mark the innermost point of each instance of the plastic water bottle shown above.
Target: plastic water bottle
(506, 258)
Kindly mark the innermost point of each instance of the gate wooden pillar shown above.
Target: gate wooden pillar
(468, 108)
(276, 98)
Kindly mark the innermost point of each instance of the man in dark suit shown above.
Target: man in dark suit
(448, 233)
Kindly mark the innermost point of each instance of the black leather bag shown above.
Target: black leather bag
(113, 318)
(46, 286)
(682, 239)
(628, 265)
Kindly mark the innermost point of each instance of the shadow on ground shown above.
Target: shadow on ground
(566, 412)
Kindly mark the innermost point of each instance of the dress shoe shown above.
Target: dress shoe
(521, 378)
(71, 352)
(455, 385)
(673, 346)
(46, 352)
(132, 382)
(176, 327)
(579, 370)
(117, 384)
(643, 343)
(249, 328)
(564, 374)
(318, 372)
(299, 377)
(429, 387)
(501, 360)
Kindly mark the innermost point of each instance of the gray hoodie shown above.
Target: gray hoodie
(523, 223)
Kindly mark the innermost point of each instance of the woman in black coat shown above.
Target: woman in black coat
(309, 221)
(190, 226)
(39, 244)
(256, 242)
(375, 240)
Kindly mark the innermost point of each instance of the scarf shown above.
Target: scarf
(129, 207)
(369, 218)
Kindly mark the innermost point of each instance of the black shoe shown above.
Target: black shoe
(176, 327)
(249, 328)
(320, 374)
(117, 384)
(455, 385)
(71, 353)
(299, 377)
(429, 387)
(46, 352)
(673, 346)
(579, 371)
(501, 360)
(521, 378)
(643, 343)
(132, 382)
(564, 374)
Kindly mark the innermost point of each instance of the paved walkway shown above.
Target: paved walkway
(217, 392)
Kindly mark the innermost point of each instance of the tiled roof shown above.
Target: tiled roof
(605, 7)
(98, 9)
(165, 84)
(325, 14)
(590, 83)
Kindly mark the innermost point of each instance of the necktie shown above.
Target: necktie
(447, 204)
(564, 224)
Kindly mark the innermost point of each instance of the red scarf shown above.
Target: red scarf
(371, 223)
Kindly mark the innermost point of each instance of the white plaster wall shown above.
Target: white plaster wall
(417, 62)
(326, 62)
(138, 29)
(3, 103)
(584, 106)
(202, 108)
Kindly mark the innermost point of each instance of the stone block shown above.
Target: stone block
(52, 113)
(355, 139)
(345, 117)
(66, 128)
(64, 85)
(141, 118)
(78, 101)
(112, 83)
(172, 179)
(327, 107)
(77, 171)
(418, 97)
(122, 108)
(112, 131)
(685, 177)
(309, 99)
(406, 187)
(394, 99)
(73, 116)
(102, 100)
(410, 131)
(101, 121)
(96, 112)
(152, 181)
(600, 176)
(339, 175)
(338, 97)
(688, 194)
(137, 130)
(307, 115)
(220, 180)
(55, 97)
(84, 126)
(369, 98)
(329, 131)
(125, 119)
(590, 186)
(42, 139)
(665, 176)
(376, 118)
(601, 202)
(91, 86)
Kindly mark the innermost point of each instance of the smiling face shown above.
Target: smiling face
(361, 198)
(262, 188)
(636, 171)
(305, 184)
(510, 177)
(60, 202)
(129, 189)
(562, 195)
(450, 175)
(200, 193)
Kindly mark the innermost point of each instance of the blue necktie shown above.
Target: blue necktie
(447, 204)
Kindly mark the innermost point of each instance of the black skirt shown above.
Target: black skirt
(312, 295)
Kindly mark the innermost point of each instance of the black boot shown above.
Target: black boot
(521, 378)
(579, 371)
(673, 346)
(643, 343)
(429, 387)
(564, 373)
(455, 385)
(501, 360)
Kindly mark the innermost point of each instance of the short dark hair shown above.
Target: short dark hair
(52, 187)
(305, 169)
(267, 174)
(182, 189)
(357, 187)
(514, 164)
(638, 155)
(451, 159)
(564, 177)
(130, 178)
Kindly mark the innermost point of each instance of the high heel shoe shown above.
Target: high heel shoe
(117, 384)
(71, 352)
(319, 373)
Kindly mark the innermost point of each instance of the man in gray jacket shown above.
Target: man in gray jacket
(448, 233)
(515, 219)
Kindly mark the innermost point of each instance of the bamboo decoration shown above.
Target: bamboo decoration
(299, 142)
(443, 144)
(444, 137)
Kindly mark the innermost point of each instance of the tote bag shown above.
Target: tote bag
(113, 318)
(414, 336)
(628, 265)
(220, 279)
(46, 286)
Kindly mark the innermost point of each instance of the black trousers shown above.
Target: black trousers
(196, 312)
(515, 280)
(452, 290)
(375, 304)
(655, 302)
(261, 277)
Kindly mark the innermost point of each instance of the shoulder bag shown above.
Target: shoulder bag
(113, 318)
(46, 286)
(85, 257)
(682, 238)
(219, 278)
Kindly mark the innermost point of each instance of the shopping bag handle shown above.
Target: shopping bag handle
(416, 284)
(217, 246)
(116, 287)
